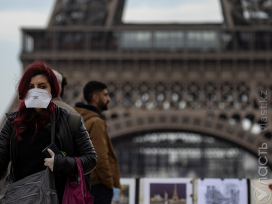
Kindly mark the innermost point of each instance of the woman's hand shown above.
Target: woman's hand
(50, 161)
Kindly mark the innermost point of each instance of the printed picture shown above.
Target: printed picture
(166, 191)
(125, 195)
(121, 196)
(161, 193)
(226, 191)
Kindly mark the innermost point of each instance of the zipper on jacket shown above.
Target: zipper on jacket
(12, 165)
(61, 147)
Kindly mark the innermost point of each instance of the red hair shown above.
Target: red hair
(20, 124)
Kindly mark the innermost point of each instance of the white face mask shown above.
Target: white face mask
(37, 98)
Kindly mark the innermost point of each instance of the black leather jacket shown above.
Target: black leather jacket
(76, 144)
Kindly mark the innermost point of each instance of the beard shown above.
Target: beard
(102, 106)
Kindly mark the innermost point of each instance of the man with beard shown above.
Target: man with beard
(107, 174)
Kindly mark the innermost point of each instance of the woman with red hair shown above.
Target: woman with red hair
(26, 132)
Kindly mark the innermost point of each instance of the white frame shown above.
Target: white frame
(202, 184)
(145, 187)
(132, 185)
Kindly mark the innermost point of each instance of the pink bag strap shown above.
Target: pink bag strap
(81, 173)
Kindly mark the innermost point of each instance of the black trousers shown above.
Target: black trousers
(101, 194)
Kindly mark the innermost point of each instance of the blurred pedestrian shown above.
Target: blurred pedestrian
(107, 174)
(62, 83)
(26, 133)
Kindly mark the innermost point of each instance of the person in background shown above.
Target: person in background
(107, 174)
(62, 83)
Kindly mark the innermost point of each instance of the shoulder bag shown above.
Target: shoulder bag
(38, 188)
(76, 192)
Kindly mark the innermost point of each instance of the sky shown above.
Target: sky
(15, 14)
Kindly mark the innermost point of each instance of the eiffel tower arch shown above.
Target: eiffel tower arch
(208, 81)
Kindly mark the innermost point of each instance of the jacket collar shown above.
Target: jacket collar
(89, 107)
(12, 115)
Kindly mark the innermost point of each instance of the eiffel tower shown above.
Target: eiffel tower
(175, 197)
(212, 80)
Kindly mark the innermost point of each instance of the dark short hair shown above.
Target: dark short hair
(91, 88)
(63, 84)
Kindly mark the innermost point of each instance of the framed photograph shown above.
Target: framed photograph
(125, 195)
(222, 191)
(261, 191)
(166, 191)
